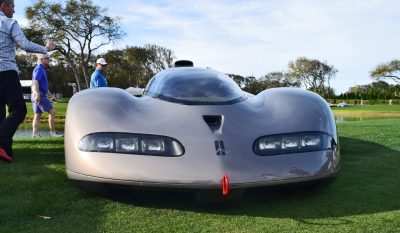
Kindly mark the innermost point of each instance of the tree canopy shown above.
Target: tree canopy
(134, 66)
(390, 70)
(270, 80)
(314, 74)
(375, 90)
(79, 27)
(129, 67)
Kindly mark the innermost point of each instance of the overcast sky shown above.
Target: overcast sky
(258, 37)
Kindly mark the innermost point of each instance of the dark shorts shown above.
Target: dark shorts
(44, 105)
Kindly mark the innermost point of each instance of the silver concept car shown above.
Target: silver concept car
(194, 128)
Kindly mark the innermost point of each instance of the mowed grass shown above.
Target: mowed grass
(368, 110)
(60, 109)
(37, 197)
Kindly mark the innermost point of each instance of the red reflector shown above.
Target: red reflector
(225, 185)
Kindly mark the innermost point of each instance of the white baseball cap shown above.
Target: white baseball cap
(101, 61)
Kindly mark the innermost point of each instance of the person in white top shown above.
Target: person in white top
(10, 86)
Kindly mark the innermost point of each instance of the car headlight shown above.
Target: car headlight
(129, 143)
(293, 143)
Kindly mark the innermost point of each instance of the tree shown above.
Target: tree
(57, 74)
(26, 64)
(160, 58)
(134, 66)
(129, 67)
(271, 80)
(390, 70)
(252, 85)
(279, 79)
(78, 26)
(243, 82)
(373, 91)
(314, 75)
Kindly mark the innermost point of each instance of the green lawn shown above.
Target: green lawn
(364, 197)
(368, 108)
(60, 109)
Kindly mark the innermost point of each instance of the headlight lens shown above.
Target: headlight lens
(293, 143)
(128, 143)
(153, 145)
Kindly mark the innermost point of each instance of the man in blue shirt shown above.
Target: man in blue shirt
(98, 79)
(40, 93)
(10, 86)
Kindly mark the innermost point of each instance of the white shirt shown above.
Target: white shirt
(10, 36)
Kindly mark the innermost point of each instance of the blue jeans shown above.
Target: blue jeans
(10, 96)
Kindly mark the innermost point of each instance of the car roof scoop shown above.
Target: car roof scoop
(215, 122)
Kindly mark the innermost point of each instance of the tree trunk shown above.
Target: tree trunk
(85, 74)
(76, 73)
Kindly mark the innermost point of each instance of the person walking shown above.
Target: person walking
(98, 79)
(40, 94)
(10, 86)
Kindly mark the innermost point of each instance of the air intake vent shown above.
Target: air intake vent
(215, 122)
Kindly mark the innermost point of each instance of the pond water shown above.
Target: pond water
(25, 130)
(339, 118)
(27, 133)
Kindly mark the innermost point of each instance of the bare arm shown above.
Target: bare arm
(35, 91)
(27, 45)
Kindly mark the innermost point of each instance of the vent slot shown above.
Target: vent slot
(215, 122)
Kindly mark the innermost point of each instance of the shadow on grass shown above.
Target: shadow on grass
(368, 183)
(36, 185)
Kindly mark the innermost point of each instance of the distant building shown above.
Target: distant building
(26, 89)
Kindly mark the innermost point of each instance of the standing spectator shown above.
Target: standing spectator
(98, 79)
(40, 94)
(10, 86)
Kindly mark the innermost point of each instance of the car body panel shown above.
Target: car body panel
(273, 111)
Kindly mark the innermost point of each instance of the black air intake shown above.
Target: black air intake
(215, 122)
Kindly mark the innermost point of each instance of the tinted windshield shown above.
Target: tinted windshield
(194, 86)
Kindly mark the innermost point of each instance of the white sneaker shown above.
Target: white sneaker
(35, 135)
(56, 134)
